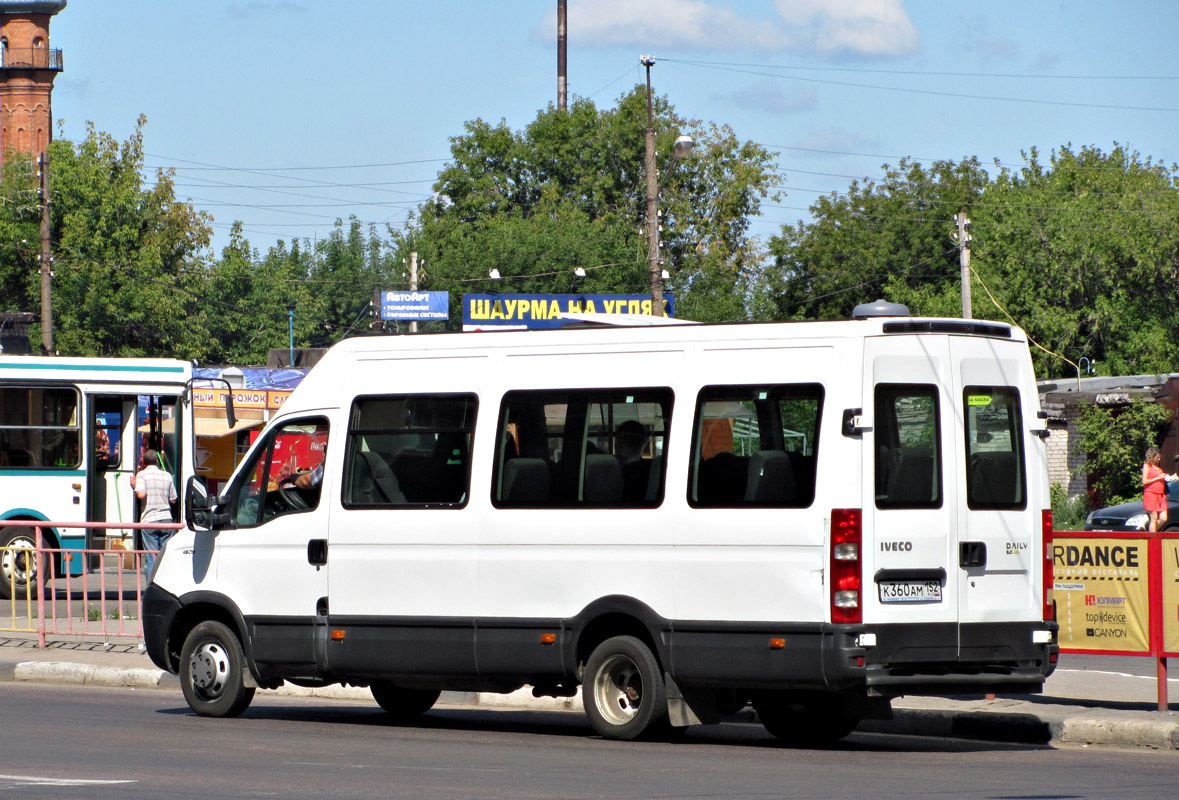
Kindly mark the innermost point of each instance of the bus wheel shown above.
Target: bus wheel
(403, 704)
(18, 561)
(799, 724)
(212, 671)
(624, 693)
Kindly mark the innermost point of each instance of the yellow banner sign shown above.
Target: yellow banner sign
(1171, 596)
(1102, 592)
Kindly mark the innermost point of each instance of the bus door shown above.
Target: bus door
(910, 515)
(1000, 533)
(111, 449)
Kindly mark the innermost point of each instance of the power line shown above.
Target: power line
(931, 74)
(959, 95)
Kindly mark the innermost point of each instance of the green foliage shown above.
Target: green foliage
(127, 280)
(878, 240)
(1084, 253)
(1068, 514)
(568, 191)
(1115, 442)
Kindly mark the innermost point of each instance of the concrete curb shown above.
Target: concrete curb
(1013, 727)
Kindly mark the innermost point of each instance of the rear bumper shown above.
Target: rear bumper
(879, 660)
(979, 658)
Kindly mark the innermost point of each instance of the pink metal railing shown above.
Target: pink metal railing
(55, 615)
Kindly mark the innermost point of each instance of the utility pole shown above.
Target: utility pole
(46, 259)
(652, 202)
(562, 49)
(962, 237)
(413, 284)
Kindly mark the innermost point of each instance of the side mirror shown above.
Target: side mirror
(198, 506)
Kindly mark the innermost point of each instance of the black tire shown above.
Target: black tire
(18, 565)
(623, 691)
(402, 704)
(812, 724)
(212, 671)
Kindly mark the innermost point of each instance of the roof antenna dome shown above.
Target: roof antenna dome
(881, 308)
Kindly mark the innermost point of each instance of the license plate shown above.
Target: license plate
(910, 592)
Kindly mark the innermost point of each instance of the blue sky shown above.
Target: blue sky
(286, 114)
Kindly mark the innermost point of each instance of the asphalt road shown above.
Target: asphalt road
(61, 742)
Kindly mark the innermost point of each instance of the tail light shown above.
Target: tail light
(846, 566)
(1046, 525)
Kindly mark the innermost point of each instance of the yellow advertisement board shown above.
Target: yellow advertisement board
(1102, 591)
(1170, 602)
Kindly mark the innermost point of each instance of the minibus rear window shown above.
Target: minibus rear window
(995, 476)
(908, 447)
(755, 446)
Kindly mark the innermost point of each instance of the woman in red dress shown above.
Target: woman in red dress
(1154, 491)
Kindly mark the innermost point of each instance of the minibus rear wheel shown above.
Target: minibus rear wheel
(401, 703)
(798, 724)
(623, 691)
(212, 671)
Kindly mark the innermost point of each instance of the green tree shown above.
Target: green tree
(20, 235)
(128, 276)
(886, 239)
(1084, 254)
(1114, 441)
(568, 191)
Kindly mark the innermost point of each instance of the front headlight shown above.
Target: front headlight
(1138, 521)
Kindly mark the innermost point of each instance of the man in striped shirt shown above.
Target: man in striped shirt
(157, 491)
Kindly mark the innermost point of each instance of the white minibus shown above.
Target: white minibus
(812, 518)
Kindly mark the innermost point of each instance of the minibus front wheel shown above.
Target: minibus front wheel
(212, 671)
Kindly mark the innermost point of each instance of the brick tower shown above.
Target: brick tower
(27, 70)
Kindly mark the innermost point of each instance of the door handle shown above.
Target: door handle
(317, 552)
(972, 554)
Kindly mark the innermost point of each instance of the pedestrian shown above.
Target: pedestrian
(1154, 488)
(157, 491)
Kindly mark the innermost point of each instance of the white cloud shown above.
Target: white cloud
(858, 27)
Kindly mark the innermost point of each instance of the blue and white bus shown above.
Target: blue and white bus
(71, 434)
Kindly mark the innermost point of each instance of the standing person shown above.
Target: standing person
(157, 491)
(1154, 488)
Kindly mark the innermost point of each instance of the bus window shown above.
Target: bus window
(39, 427)
(755, 446)
(908, 447)
(409, 451)
(600, 448)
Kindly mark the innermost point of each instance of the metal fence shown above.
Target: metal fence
(105, 599)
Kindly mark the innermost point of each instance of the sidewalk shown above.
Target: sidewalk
(1078, 707)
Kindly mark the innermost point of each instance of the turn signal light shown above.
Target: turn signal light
(337, 636)
(548, 638)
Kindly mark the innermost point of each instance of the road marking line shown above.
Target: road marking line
(60, 781)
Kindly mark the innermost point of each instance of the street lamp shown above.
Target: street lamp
(683, 146)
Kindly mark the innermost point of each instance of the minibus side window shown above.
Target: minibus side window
(284, 475)
(908, 447)
(599, 448)
(995, 475)
(39, 427)
(755, 446)
(410, 451)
